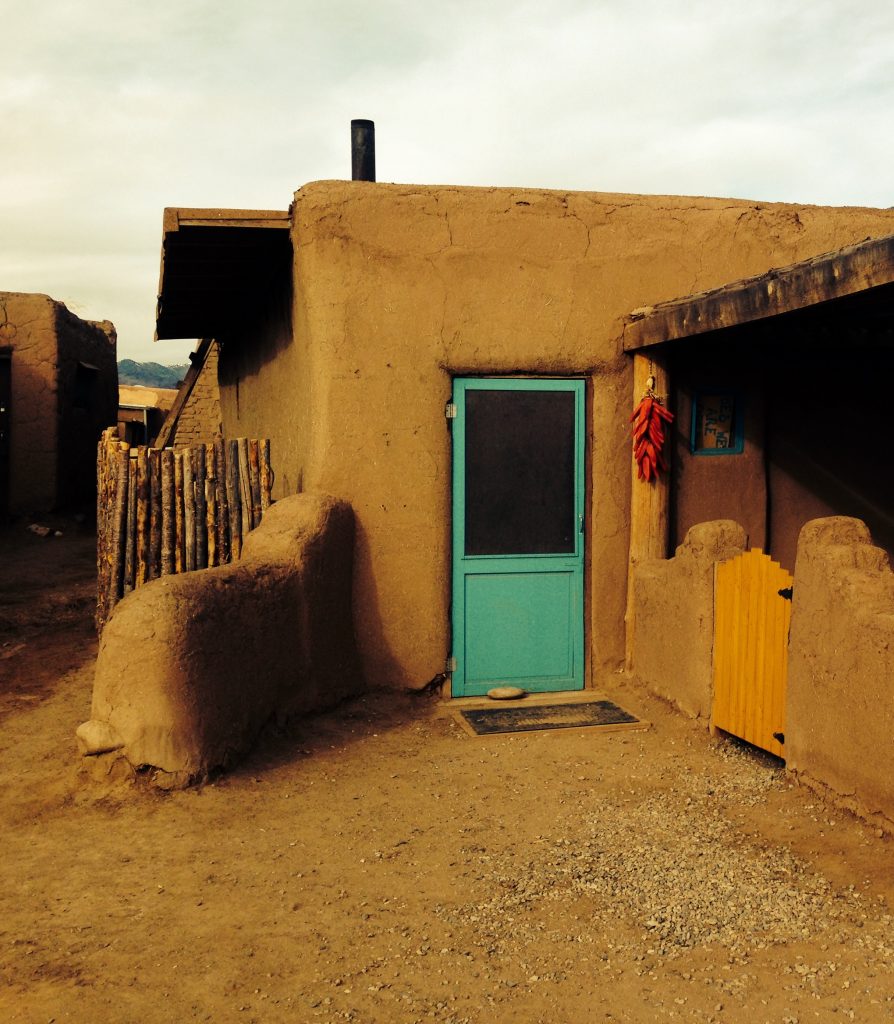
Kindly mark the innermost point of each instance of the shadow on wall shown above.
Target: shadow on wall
(261, 331)
(87, 382)
(192, 667)
(824, 412)
(33, 437)
(259, 373)
(383, 669)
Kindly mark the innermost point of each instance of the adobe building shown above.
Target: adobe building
(142, 412)
(58, 390)
(407, 347)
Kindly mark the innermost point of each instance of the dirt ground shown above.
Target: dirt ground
(379, 864)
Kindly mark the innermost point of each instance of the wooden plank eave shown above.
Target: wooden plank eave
(848, 271)
(176, 217)
(205, 253)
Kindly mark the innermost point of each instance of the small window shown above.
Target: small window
(717, 423)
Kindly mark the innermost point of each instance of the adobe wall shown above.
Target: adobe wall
(673, 642)
(398, 288)
(840, 713)
(28, 328)
(199, 421)
(192, 667)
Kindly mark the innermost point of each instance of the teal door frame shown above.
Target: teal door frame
(525, 612)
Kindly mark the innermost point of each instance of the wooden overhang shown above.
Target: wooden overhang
(215, 264)
(857, 270)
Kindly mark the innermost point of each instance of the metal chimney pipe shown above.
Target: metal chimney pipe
(363, 150)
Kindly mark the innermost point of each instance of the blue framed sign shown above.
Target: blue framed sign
(718, 423)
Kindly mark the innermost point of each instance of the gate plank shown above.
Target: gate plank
(751, 624)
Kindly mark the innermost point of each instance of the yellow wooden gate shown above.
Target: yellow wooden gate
(751, 622)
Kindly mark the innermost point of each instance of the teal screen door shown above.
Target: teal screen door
(518, 546)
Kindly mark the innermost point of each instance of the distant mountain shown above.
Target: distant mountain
(151, 375)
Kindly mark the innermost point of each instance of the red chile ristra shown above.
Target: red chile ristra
(648, 421)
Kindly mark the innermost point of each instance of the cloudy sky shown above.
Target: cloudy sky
(111, 110)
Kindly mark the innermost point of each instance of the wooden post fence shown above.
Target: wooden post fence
(161, 512)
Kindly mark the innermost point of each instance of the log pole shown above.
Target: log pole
(244, 485)
(266, 474)
(234, 505)
(189, 512)
(223, 509)
(119, 530)
(130, 541)
(168, 513)
(211, 505)
(154, 513)
(649, 502)
(254, 473)
(103, 522)
(199, 471)
(142, 535)
(179, 560)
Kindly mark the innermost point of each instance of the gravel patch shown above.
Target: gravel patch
(664, 871)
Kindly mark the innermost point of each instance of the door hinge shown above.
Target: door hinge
(450, 665)
(450, 410)
(786, 592)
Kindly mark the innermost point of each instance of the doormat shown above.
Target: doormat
(534, 717)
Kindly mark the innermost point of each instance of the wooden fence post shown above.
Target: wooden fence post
(119, 529)
(161, 512)
(168, 513)
(179, 561)
(154, 513)
(130, 535)
(266, 474)
(244, 485)
(233, 500)
(141, 545)
(223, 508)
(199, 470)
(648, 501)
(211, 505)
(189, 512)
(254, 473)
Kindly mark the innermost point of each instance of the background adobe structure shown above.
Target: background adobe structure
(62, 379)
